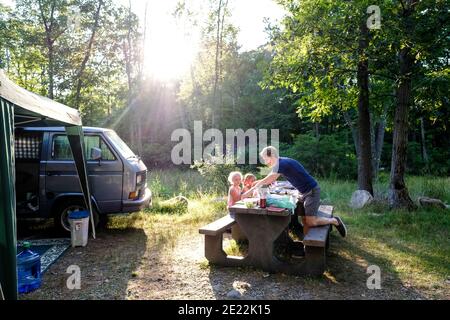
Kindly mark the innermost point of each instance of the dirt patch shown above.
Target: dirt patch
(129, 265)
(192, 278)
(106, 265)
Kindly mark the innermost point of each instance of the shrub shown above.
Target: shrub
(216, 169)
(415, 163)
(328, 156)
(171, 206)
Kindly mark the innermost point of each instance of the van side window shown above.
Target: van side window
(97, 142)
(61, 148)
(27, 146)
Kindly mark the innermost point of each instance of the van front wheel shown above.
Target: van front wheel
(61, 218)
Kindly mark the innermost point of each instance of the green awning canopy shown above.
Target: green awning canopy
(20, 107)
(35, 110)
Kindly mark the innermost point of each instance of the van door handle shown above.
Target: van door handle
(51, 173)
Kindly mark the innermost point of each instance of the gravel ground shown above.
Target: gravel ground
(185, 275)
(128, 265)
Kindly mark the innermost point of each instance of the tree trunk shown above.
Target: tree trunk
(128, 57)
(142, 55)
(128, 69)
(378, 145)
(423, 142)
(349, 121)
(49, 41)
(317, 167)
(139, 137)
(108, 72)
(316, 130)
(220, 98)
(50, 70)
(43, 80)
(214, 119)
(365, 154)
(398, 193)
(8, 59)
(87, 55)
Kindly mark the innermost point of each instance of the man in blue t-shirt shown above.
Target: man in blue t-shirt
(296, 174)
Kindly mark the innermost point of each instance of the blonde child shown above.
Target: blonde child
(234, 192)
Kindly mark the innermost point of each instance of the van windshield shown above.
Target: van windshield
(120, 145)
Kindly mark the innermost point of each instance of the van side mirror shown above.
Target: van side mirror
(96, 153)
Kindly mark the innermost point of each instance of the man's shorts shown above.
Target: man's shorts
(308, 203)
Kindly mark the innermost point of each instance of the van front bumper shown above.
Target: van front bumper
(138, 204)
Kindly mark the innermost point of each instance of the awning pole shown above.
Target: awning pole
(76, 140)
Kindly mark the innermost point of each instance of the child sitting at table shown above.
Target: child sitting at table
(234, 192)
(249, 182)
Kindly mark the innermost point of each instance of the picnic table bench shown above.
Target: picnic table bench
(262, 228)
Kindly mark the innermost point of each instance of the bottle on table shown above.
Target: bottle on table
(263, 192)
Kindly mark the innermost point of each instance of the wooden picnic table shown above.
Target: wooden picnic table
(262, 228)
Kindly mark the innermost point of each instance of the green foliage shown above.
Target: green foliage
(168, 183)
(316, 56)
(216, 170)
(158, 189)
(438, 163)
(327, 156)
(25, 52)
(169, 207)
(306, 74)
(415, 163)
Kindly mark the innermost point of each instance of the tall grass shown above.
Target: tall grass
(169, 183)
(430, 186)
(338, 192)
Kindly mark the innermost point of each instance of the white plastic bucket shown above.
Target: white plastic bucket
(79, 228)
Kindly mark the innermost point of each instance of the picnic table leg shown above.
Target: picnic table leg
(284, 243)
(213, 249)
(314, 260)
(237, 234)
(261, 236)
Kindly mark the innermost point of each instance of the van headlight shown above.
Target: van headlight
(141, 178)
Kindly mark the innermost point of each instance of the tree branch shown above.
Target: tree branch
(403, 5)
(43, 17)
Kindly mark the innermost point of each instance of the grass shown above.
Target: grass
(167, 220)
(412, 246)
(168, 183)
(237, 249)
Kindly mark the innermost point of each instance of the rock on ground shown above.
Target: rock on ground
(360, 198)
(430, 202)
(234, 294)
